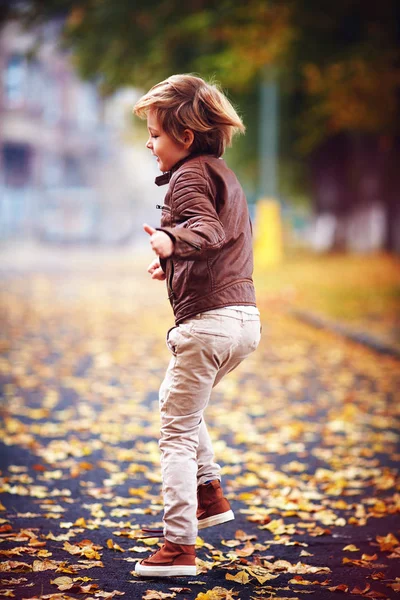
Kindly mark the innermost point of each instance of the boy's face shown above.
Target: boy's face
(167, 151)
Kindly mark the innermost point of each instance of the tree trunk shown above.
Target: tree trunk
(356, 181)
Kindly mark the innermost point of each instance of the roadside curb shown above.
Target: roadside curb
(355, 336)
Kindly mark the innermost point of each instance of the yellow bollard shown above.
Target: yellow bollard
(268, 245)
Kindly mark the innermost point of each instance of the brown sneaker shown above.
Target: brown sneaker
(213, 508)
(170, 560)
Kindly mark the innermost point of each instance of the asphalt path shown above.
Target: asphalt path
(306, 431)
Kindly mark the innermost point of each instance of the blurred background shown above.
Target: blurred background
(317, 84)
(307, 429)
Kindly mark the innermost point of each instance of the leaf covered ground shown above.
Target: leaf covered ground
(362, 292)
(307, 431)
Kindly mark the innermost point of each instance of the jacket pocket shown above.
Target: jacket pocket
(198, 281)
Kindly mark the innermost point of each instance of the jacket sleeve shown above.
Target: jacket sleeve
(198, 232)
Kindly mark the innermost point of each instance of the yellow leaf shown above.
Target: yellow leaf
(149, 541)
(261, 576)
(217, 593)
(63, 583)
(71, 548)
(44, 565)
(240, 577)
(113, 546)
(387, 542)
(91, 553)
(108, 595)
(351, 548)
(369, 557)
(156, 595)
(231, 543)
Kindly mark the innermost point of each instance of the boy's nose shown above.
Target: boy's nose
(148, 144)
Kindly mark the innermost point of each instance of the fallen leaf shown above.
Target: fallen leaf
(342, 587)
(14, 566)
(387, 542)
(108, 595)
(113, 546)
(299, 580)
(156, 595)
(63, 583)
(394, 586)
(244, 537)
(240, 577)
(369, 557)
(358, 591)
(217, 593)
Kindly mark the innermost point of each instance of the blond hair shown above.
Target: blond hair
(187, 102)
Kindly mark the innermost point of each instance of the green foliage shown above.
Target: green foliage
(347, 69)
(243, 156)
(142, 42)
(337, 62)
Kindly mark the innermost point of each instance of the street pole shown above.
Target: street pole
(268, 141)
(268, 239)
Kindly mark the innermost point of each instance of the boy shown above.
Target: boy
(204, 252)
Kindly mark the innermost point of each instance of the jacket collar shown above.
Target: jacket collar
(166, 177)
(163, 179)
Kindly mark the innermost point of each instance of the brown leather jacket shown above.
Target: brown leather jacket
(205, 213)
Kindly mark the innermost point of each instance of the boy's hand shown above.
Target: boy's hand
(155, 270)
(160, 242)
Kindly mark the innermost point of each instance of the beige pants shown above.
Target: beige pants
(204, 349)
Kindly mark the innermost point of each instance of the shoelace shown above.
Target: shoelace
(153, 554)
(150, 533)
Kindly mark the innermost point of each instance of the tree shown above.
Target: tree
(347, 78)
(342, 57)
(338, 63)
(142, 42)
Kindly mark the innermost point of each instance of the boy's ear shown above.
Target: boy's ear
(188, 138)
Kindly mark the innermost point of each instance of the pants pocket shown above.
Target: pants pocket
(253, 334)
(171, 340)
(212, 325)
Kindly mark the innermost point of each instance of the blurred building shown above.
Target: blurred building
(64, 172)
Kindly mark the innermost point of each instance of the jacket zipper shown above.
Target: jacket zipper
(171, 294)
(169, 283)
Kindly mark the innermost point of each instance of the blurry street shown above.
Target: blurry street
(307, 431)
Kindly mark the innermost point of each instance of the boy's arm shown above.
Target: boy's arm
(199, 232)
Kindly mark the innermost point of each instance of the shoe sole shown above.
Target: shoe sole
(216, 520)
(173, 571)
